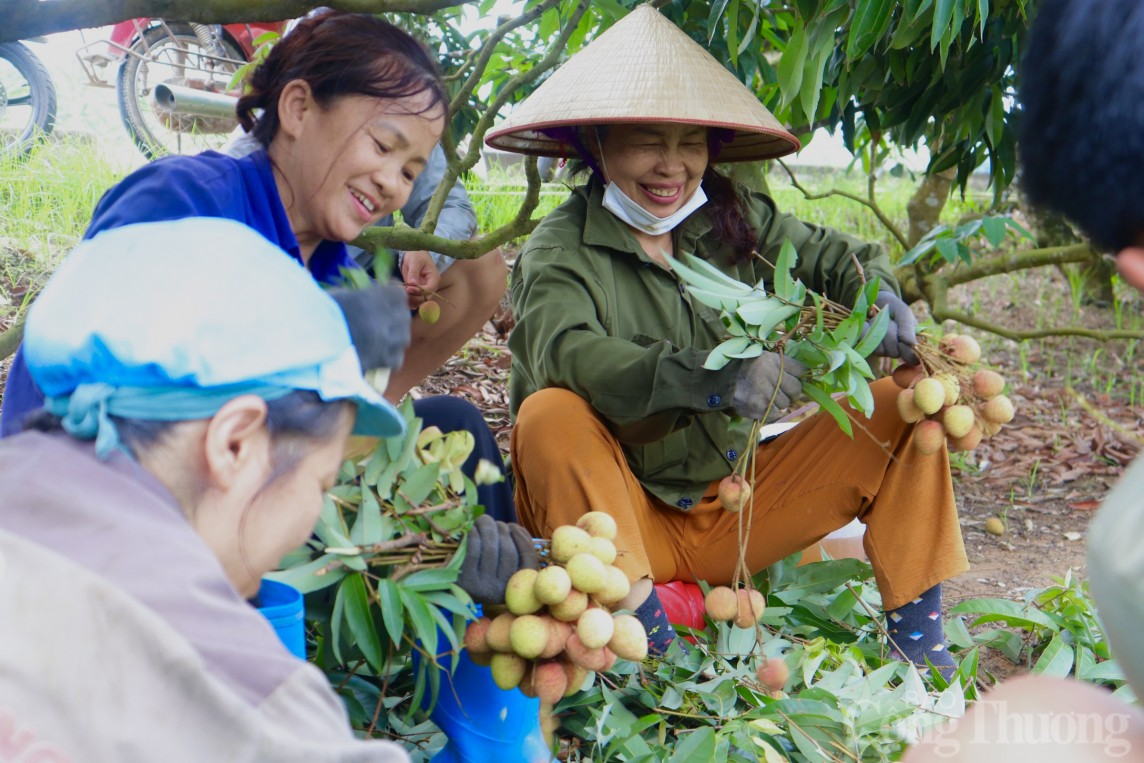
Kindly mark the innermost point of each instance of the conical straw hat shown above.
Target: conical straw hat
(643, 69)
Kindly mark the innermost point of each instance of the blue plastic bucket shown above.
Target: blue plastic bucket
(282, 605)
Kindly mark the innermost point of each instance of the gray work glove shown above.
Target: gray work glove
(760, 379)
(379, 323)
(495, 551)
(902, 330)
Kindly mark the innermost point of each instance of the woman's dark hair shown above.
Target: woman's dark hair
(1081, 133)
(724, 205)
(296, 418)
(339, 54)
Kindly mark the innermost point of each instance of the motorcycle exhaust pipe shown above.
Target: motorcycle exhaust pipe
(196, 103)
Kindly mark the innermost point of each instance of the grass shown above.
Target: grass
(46, 202)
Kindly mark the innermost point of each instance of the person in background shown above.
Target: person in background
(609, 348)
(184, 447)
(346, 109)
(1082, 153)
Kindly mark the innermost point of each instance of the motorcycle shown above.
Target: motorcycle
(174, 80)
(27, 99)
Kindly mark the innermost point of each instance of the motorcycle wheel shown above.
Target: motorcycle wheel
(178, 58)
(27, 100)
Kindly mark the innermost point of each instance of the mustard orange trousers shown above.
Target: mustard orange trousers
(809, 482)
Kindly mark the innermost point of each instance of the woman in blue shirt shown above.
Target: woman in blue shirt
(348, 109)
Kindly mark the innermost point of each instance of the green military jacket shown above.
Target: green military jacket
(597, 316)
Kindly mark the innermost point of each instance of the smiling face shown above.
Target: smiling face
(659, 166)
(342, 167)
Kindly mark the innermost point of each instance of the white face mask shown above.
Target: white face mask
(622, 206)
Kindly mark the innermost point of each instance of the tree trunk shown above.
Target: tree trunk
(925, 206)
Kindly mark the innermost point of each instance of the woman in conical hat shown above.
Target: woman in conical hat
(614, 411)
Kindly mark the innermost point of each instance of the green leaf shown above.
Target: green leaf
(791, 65)
(874, 335)
(392, 610)
(871, 19)
(1009, 612)
(942, 16)
(417, 486)
(823, 577)
(784, 283)
(733, 32)
(355, 603)
(713, 18)
(1108, 671)
(697, 746)
(994, 229)
(717, 359)
(304, 579)
(828, 404)
(424, 627)
(1056, 660)
(435, 579)
(368, 527)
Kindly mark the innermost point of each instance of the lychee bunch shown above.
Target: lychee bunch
(949, 400)
(558, 626)
(744, 606)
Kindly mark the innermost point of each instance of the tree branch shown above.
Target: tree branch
(455, 166)
(31, 18)
(870, 203)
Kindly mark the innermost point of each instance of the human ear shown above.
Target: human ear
(236, 444)
(295, 100)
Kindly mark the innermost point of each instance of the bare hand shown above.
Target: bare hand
(421, 277)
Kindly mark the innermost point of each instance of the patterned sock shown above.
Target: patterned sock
(660, 634)
(917, 630)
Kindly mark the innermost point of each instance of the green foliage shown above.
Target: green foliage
(380, 572)
(1063, 634)
(952, 245)
(827, 339)
(845, 698)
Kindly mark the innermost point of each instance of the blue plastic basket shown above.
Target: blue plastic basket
(282, 605)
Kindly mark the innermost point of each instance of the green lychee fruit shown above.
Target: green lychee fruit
(571, 608)
(616, 586)
(595, 627)
(508, 670)
(603, 549)
(958, 420)
(999, 410)
(951, 386)
(929, 395)
(528, 636)
(586, 571)
(497, 634)
(519, 595)
(567, 541)
(629, 639)
(429, 311)
(552, 585)
(969, 440)
(908, 409)
(598, 524)
(961, 347)
(576, 674)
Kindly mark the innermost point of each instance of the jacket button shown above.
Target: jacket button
(685, 503)
(682, 289)
(713, 400)
(732, 455)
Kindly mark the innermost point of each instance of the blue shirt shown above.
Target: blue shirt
(174, 188)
